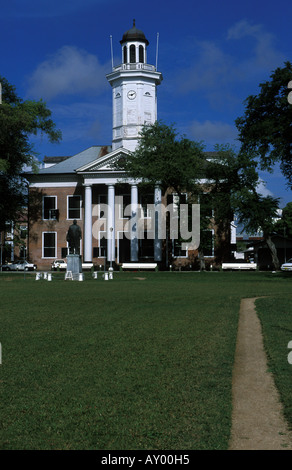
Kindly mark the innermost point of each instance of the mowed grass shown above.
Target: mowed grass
(141, 362)
(276, 318)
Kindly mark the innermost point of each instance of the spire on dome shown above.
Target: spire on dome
(134, 34)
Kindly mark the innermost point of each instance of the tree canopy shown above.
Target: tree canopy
(265, 129)
(162, 157)
(19, 120)
(284, 225)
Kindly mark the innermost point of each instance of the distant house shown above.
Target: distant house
(262, 256)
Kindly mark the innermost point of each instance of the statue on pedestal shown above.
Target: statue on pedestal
(73, 238)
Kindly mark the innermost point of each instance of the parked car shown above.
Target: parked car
(59, 264)
(5, 267)
(20, 266)
(287, 266)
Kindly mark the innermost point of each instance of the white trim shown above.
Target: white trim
(101, 160)
(72, 184)
(56, 244)
(107, 180)
(179, 256)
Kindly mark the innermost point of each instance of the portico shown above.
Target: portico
(119, 217)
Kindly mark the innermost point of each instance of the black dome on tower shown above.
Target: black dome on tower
(134, 34)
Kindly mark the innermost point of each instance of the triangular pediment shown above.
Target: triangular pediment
(104, 164)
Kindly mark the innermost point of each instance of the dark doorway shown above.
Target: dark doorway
(124, 250)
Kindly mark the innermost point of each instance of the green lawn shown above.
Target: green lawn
(123, 364)
(276, 319)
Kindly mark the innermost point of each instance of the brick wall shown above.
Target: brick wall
(37, 226)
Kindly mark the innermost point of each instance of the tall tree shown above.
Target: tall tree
(229, 175)
(283, 226)
(257, 212)
(265, 129)
(164, 157)
(167, 159)
(19, 120)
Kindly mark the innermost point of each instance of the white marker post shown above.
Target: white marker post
(290, 353)
(290, 93)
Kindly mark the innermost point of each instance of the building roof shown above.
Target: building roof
(134, 34)
(71, 164)
(55, 160)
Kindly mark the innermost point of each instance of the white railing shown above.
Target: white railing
(137, 66)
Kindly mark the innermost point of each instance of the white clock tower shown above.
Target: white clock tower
(134, 85)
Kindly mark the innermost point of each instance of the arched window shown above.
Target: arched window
(132, 54)
(125, 54)
(141, 54)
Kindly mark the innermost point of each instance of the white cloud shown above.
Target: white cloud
(211, 65)
(81, 120)
(223, 67)
(263, 190)
(213, 132)
(243, 28)
(69, 71)
(264, 53)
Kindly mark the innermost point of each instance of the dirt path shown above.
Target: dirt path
(257, 421)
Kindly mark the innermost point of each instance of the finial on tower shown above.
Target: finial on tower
(134, 23)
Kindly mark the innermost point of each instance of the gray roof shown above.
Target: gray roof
(55, 160)
(71, 164)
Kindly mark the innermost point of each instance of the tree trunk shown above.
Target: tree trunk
(273, 250)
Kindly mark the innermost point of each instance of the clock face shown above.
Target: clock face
(131, 95)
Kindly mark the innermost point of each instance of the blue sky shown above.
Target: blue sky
(212, 56)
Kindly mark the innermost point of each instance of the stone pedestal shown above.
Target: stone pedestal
(74, 264)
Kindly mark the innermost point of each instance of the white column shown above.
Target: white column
(111, 223)
(88, 224)
(134, 222)
(157, 214)
(157, 241)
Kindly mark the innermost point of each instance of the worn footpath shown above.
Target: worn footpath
(257, 420)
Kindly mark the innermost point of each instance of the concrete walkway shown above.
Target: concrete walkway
(257, 420)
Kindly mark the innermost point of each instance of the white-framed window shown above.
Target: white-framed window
(49, 245)
(102, 245)
(49, 207)
(177, 251)
(23, 229)
(74, 207)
